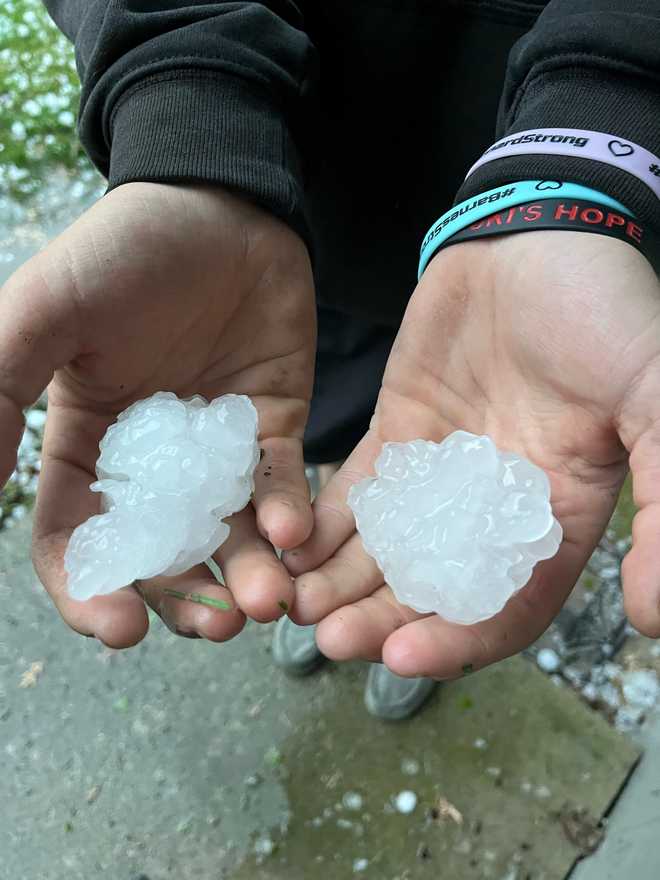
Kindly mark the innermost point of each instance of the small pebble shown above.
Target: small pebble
(611, 671)
(610, 695)
(628, 718)
(405, 801)
(574, 676)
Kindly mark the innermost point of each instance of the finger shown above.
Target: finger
(346, 577)
(193, 618)
(333, 518)
(641, 567)
(260, 584)
(437, 649)
(38, 334)
(358, 631)
(70, 449)
(281, 495)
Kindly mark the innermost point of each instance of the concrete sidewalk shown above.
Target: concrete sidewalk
(182, 759)
(631, 848)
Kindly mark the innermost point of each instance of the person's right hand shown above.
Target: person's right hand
(183, 289)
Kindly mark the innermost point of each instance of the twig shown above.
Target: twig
(199, 599)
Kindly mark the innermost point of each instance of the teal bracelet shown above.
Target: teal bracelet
(508, 196)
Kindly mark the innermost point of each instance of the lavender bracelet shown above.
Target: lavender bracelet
(595, 145)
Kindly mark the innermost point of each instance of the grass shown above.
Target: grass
(39, 98)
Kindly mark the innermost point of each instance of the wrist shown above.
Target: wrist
(569, 215)
(191, 127)
(577, 97)
(502, 198)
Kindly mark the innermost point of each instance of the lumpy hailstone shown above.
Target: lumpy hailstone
(456, 527)
(170, 471)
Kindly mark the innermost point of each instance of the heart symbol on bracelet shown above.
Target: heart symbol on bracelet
(617, 148)
(549, 184)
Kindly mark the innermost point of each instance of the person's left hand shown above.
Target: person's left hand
(550, 343)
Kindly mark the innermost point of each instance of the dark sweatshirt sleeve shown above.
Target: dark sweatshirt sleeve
(195, 91)
(589, 64)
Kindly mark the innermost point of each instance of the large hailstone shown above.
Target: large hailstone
(456, 527)
(170, 471)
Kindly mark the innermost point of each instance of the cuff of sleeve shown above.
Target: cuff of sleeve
(591, 100)
(198, 126)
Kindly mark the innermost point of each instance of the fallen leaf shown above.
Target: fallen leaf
(30, 676)
(582, 829)
(93, 793)
(447, 810)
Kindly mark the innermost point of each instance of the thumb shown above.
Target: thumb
(38, 334)
(640, 432)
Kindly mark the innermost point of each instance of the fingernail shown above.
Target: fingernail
(185, 634)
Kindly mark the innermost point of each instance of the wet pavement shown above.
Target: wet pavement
(180, 759)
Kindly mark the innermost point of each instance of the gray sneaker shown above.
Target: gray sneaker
(294, 648)
(392, 698)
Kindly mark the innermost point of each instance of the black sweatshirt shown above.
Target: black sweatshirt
(355, 121)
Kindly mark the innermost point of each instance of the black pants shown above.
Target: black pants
(350, 361)
(395, 136)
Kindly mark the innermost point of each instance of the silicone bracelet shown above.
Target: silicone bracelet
(507, 196)
(595, 145)
(569, 215)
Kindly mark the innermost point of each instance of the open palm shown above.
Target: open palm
(183, 289)
(550, 343)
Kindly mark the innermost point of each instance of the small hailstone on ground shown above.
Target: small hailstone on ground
(264, 846)
(548, 660)
(352, 800)
(609, 695)
(35, 419)
(169, 472)
(410, 766)
(456, 527)
(641, 688)
(628, 718)
(405, 801)
(590, 692)
(360, 865)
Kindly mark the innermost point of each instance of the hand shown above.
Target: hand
(550, 343)
(183, 289)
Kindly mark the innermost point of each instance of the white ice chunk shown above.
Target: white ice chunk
(456, 527)
(405, 801)
(170, 470)
(548, 660)
(641, 688)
